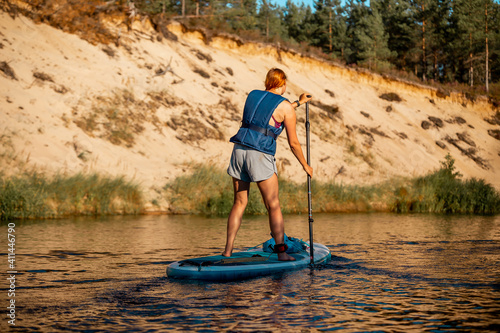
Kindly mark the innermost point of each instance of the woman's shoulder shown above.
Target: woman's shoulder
(285, 105)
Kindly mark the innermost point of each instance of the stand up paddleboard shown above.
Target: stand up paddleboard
(245, 264)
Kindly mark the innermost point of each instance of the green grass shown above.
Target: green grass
(35, 195)
(208, 191)
(443, 191)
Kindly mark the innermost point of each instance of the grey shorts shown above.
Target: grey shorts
(250, 165)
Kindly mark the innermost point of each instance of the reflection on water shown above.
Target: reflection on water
(388, 273)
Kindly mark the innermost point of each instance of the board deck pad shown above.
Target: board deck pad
(245, 264)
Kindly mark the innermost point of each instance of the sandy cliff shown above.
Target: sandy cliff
(148, 107)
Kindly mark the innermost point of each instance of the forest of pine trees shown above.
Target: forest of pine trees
(445, 41)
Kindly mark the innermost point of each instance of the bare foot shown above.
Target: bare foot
(226, 254)
(285, 257)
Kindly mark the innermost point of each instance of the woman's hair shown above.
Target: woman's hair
(275, 78)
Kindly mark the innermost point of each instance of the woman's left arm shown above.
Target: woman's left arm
(293, 141)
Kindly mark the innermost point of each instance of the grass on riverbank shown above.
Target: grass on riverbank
(443, 191)
(208, 191)
(34, 195)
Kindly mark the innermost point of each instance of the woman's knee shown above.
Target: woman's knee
(272, 203)
(240, 201)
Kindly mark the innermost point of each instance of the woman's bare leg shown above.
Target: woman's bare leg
(270, 194)
(241, 190)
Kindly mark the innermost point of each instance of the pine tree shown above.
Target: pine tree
(467, 14)
(293, 19)
(472, 49)
(422, 14)
(494, 42)
(438, 32)
(369, 39)
(236, 15)
(331, 27)
(399, 23)
(489, 5)
(309, 28)
(269, 21)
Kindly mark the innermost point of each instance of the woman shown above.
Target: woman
(265, 115)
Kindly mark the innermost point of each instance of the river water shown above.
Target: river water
(389, 273)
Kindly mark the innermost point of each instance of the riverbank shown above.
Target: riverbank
(207, 190)
(149, 107)
(36, 196)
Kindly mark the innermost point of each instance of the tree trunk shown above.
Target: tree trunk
(471, 69)
(435, 66)
(424, 58)
(183, 8)
(486, 30)
(330, 31)
(267, 27)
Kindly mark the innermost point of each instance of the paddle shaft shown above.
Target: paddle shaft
(309, 199)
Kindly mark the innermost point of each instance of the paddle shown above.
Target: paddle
(309, 199)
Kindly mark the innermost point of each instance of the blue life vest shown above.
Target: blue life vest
(255, 131)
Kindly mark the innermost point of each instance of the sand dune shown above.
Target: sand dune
(151, 107)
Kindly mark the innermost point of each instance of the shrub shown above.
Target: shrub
(443, 191)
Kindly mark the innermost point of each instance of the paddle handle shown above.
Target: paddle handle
(309, 196)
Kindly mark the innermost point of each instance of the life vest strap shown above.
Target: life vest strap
(259, 129)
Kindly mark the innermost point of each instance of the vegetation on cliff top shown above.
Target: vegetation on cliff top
(452, 45)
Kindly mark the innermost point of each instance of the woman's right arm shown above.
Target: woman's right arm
(290, 122)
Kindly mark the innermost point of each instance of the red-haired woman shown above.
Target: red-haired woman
(265, 115)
